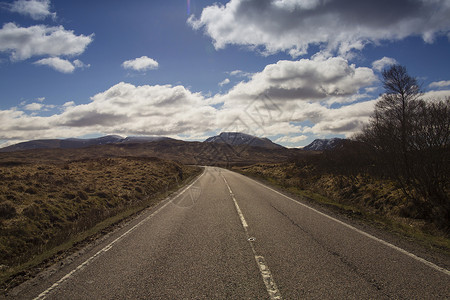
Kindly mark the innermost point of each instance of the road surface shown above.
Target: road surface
(226, 236)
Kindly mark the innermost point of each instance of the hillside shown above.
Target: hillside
(74, 143)
(238, 139)
(228, 138)
(324, 144)
(197, 153)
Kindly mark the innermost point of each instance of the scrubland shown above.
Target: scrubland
(363, 197)
(44, 205)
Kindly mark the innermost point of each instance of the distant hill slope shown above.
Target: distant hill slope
(238, 139)
(144, 139)
(324, 144)
(74, 143)
(195, 153)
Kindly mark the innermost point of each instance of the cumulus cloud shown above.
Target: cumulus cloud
(34, 106)
(122, 109)
(69, 104)
(333, 79)
(436, 95)
(62, 65)
(58, 64)
(291, 139)
(154, 110)
(287, 93)
(439, 84)
(79, 64)
(240, 73)
(224, 82)
(345, 120)
(295, 99)
(141, 64)
(335, 25)
(39, 40)
(382, 63)
(348, 119)
(36, 9)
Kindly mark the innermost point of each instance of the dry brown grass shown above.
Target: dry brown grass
(377, 201)
(42, 205)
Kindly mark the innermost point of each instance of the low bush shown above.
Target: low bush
(72, 197)
(7, 210)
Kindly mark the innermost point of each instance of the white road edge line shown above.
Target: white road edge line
(44, 294)
(413, 256)
(270, 284)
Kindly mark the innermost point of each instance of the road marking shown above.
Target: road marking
(268, 280)
(45, 293)
(403, 251)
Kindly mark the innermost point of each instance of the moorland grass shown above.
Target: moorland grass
(46, 208)
(377, 202)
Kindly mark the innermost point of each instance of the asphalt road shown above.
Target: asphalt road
(228, 237)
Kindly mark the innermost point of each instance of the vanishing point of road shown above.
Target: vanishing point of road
(226, 236)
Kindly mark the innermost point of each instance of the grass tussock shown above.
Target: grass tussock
(45, 205)
(380, 202)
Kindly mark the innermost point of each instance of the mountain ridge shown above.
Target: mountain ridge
(228, 138)
(75, 143)
(324, 144)
(239, 138)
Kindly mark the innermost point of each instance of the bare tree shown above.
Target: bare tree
(430, 151)
(412, 139)
(391, 127)
(395, 114)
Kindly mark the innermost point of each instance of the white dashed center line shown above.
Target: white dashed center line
(270, 284)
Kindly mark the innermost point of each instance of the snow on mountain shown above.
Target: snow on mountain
(73, 143)
(324, 144)
(238, 138)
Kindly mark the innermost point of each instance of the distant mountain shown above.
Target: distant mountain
(74, 143)
(144, 139)
(80, 143)
(35, 144)
(324, 144)
(194, 153)
(238, 138)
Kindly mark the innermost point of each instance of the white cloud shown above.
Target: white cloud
(349, 119)
(40, 99)
(439, 84)
(331, 80)
(62, 65)
(240, 73)
(346, 120)
(141, 64)
(58, 64)
(436, 95)
(382, 63)
(26, 42)
(6, 143)
(69, 104)
(291, 139)
(34, 106)
(287, 93)
(36, 9)
(122, 109)
(370, 89)
(290, 98)
(335, 25)
(79, 64)
(224, 82)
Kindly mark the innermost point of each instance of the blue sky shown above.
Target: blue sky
(290, 70)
